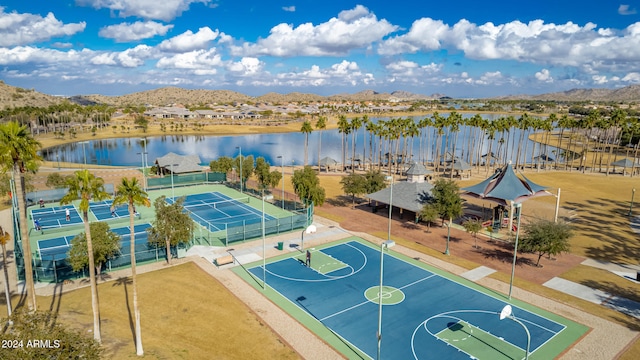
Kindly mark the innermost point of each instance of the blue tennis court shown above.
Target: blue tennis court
(216, 211)
(425, 315)
(57, 248)
(55, 217)
(103, 210)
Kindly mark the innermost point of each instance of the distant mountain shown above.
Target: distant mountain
(626, 94)
(11, 96)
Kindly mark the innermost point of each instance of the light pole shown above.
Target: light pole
(555, 216)
(144, 168)
(507, 312)
(241, 161)
(282, 166)
(173, 193)
(633, 192)
(379, 334)
(518, 207)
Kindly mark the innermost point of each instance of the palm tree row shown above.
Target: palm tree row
(498, 141)
(20, 155)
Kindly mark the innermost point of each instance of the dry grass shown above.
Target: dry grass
(186, 314)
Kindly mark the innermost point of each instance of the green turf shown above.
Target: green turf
(478, 343)
(321, 262)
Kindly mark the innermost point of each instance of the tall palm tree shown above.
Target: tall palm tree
(19, 154)
(85, 186)
(343, 128)
(129, 192)
(321, 124)
(306, 129)
(356, 123)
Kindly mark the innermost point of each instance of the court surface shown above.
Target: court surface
(103, 210)
(58, 248)
(55, 217)
(217, 211)
(426, 313)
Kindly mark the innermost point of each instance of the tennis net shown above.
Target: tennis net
(218, 204)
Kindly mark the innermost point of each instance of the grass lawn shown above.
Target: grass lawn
(186, 314)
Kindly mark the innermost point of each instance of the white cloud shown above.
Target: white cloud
(188, 41)
(535, 42)
(291, 8)
(344, 73)
(193, 60)
(166, 10)
(129, 58)
(544, 76)
(23, 29)
(352, 29)
(138, 30)
(626, 10)
(26, 54)
(246, 66)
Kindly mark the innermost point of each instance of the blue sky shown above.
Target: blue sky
(456, 48)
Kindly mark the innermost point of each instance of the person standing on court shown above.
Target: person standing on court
(68, 214)
(308, 258)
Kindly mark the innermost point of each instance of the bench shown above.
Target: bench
(224, 260)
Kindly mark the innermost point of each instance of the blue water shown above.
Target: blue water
(128, 151)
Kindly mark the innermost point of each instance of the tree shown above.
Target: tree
(306, 130)
(266, 177)
(105, 246)
(354, 185)
(473, 226)
(85, 186)
(429, 213)
(321, 124)
(171, 226)
(42, 337)
(223, 164)
(129, 192)
(56, 181)
(142, 122)
(374, 181)
(446, 198)
(546, 237)
(4, 239)
(307, 186)
(247, 167)
(20, 154)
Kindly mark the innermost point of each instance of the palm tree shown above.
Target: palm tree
(129, 192)
(85, 186)
(321, 124)
(20, 154)
(4, 239)
(306, 130)
(356, 123)
(343, 127)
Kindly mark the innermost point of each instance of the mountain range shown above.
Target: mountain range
(11, 96)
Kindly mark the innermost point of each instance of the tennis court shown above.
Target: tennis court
(55, 217)
(103, 210)
(427, 313)
(58, 248)
(217, 211)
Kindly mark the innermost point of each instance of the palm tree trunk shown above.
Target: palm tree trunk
(26, 244)
(136, 310)
(168, 250)
(92, 280)
(7, 292)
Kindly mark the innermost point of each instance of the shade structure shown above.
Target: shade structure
(543, 158)
(626, 162)
(504, 187)
(327, 161)
(461, 165)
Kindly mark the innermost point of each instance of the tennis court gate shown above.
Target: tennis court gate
(241, 231)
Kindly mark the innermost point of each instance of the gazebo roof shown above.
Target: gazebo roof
(179, 164)
(406, 195)
(327, 161)
(504, 186)
(418, 169)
